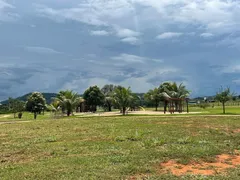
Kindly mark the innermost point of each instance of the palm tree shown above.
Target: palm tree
(135, 102)
(154, 96)
(68, 100)
(122, 98)
(54, 106)
(172, 90)
(176, 91)
(108, 91)
(164, 96)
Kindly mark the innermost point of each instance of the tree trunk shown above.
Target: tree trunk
(176, 107)
(109, 108)
(35, 115)
(223, 104)
(68, 113)
(124, 110)
(165, 107)
(156, 106)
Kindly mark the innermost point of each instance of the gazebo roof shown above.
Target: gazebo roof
(167, 97)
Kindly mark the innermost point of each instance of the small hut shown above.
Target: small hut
(173, 104)
(82, 106)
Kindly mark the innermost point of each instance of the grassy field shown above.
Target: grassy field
(216, 110)
(131, 147)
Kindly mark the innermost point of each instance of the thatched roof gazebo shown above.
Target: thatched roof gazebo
(174, 104)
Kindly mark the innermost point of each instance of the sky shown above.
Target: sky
(52, 45)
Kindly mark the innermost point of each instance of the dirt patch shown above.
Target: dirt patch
(162, 123)
(15, 158)
(139, 176)
(236, 131)
(5, 116)
(222, 164)
(13, 122)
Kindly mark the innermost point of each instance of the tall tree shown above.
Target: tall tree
(153, 96)
(16, 106)
(67, 100)
(36, 103)
(223, 96)
(135, 102)
(108, 91)
(93, 97)
(175, 91)
(164, 96)
(122, 98)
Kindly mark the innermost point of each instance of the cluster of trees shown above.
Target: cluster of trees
(67, 101)
(108, 97)
(165, 91)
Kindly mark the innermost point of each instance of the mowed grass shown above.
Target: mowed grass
(114, 147)
(216, 110)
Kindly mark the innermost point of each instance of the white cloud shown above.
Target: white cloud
(232, 69)
(214, 15)
(129, 58)
(6, 13)
(99, 33)
(131, 40)
(3, 5)
(169, 35)
(41, 50)
(127, 33)
(93, 12)
(206, 35)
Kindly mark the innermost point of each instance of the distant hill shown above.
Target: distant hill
(47, 96)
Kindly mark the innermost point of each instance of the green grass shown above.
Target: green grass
(234, 110)
(26, 117)
(216, 110)
(113, 147)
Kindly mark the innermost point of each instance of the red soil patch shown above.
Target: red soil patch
(222, 163)
(140, 176)
(236, 131)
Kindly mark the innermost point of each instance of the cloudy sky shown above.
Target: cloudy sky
(49, 45)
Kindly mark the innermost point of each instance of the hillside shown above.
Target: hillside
(47, 96)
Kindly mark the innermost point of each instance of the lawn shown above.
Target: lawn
(128, 147)
(216, 110)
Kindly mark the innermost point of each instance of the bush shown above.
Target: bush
(20, 115)
(204, 105)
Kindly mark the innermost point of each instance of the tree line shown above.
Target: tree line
(110, 96)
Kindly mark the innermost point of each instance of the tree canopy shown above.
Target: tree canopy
(16, 106)
(67, 100)
(223, 95)
(108, 91)
(122, 98)
(153, 96)
(36, 103)
(93, 97)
